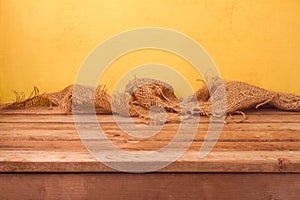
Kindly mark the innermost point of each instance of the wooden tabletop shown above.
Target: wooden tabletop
(46, 140)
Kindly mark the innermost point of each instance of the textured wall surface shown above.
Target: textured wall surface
(43, 43)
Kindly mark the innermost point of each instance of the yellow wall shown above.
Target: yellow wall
(43, 43)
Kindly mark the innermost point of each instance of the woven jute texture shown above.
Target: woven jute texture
(146, 98)
(155, 101)
(85, 96)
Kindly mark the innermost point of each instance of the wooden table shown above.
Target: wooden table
(42, 157)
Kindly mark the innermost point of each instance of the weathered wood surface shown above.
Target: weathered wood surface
(43, 140)
(248, 186)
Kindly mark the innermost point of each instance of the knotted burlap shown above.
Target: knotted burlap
(143, 96)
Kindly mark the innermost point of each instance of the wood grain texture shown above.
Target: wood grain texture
(43, 157)
(43, 140)
(150, 186)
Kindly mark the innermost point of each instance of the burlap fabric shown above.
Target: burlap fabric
(145, 96)
(85, 96)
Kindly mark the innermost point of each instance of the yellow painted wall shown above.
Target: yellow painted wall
(43, 43)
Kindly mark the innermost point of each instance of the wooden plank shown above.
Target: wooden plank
(58, 118)
(6, 126)
(235, 161)
(147, 145)
(56, 110)
(150, 186)
(226, 136)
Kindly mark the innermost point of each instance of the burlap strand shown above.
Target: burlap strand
(154, 101)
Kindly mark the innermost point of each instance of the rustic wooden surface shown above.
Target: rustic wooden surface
(42, 157)
(186, 186)
(44, 140)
